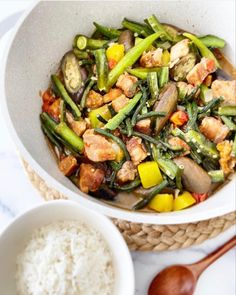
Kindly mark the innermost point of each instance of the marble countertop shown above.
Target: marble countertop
(218, 279)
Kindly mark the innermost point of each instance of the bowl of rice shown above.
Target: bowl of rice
(62, 248)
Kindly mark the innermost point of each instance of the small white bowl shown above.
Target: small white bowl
(15, 236)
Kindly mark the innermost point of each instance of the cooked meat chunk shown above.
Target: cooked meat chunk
(90, 178)
(226, 90)
(119, 103)
(179, 50)
(213, 129)
(126, 173)
(112, 94)
(143, 126)
(54, 109)
(78, 127)
(152, 58)
(68, 165)
(176, 141)
(97, 147)
(227, 162)
(136, 150)
(200, 71)
(126, 83)
(94, 100)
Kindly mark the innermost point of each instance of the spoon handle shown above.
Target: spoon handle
(199, 267)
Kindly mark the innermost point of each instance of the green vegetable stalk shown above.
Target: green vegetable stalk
(142, 73)
(102, 68)
(163, 76)
(227, 111)
(130, 58)
(137, 28)
(217, 175)
(107, 32)
(158, 27)
(82, 42)
(152, 80)
(212, 41)
(130, 186)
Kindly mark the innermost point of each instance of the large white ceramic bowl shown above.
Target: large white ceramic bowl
(39, 41)
(14, 239)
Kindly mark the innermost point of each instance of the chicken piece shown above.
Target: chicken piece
(176, 141)
(127, 82)
(97, 147)
(126, 173)
(94, 100)
(68, 165)
(90, 178)
(78, 127)
(119, 103)
(112, 94)
(213, 129)
(226, 90)
(136, 150)
(200, 71)
(152, 58)
(143, 126)
(227, 162)
(177, 51)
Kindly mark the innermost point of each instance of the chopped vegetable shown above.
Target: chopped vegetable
(83, 42)
(152, 80)
(163, 76)
(150, 174)
(119, 117)
(130, 58)
(103, 112)
(115, 52)
(205, 52)
(227, 111)
(107, 32)
(179, 118)
(183, 201)
(212, 41)
(217, 175)
(142, 73)
(162, 203)
(157, 27)
(101, 67)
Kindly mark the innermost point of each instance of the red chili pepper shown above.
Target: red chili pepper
(200, 197)
(179, 118)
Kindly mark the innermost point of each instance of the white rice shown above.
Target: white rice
(65, 258)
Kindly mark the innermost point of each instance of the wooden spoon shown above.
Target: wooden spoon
(182, 279)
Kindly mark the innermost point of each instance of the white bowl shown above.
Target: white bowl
(14, 238)
(39, 41)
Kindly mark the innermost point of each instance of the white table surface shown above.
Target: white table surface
(17, 195)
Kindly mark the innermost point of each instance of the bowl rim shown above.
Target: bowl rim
(105, 222)
(108, 210)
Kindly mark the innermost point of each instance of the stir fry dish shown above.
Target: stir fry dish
(147, 110)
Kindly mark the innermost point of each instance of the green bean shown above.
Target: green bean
(85, 94)
(229, 123)
(65, 96)
(150, 196)
(179, 178)
(157, 27)
(102, 68)
(168, 167)
(130, 58)
(116, 167)
(217, 175)
(82, 42)
(212, 41)
(107, 32)
(205, 52)
(192, 115)
(142, 73)
(145, 137)
(152, 80)
(111, 110)
(227, 111)
(115, 139)
(80, 54)
(51, 137)
(114, 122)
(128, 187)
(151, 114)
(135, 27)
(196, 156)
(129, 127)
(213, 103)
(163, 76)
(62, 111)
(233, 153)
(139, 108)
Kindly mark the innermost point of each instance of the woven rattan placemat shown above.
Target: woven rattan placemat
(148, 237)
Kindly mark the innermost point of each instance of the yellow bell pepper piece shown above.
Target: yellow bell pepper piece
(150, 174)
(103, 111)
(115, 52)
(162, 203)
(183, 201)
(165, 58)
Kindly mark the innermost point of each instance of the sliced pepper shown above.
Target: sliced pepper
(183, 201)
(179, 118)
(150, 174)
(115, 52)
(165, 58)
(102, 111)
(162, 203)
